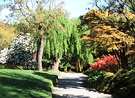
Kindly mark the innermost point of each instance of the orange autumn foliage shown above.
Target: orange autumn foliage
(110, 30)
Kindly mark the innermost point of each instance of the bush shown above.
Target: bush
(121, 83)
(2, 66)
(21, 52)
(108, 63)
(95, 78)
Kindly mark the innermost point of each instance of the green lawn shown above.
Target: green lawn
(26, 84)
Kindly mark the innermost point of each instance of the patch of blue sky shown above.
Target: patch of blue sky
(75, 8)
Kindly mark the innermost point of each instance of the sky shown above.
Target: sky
(75, 8)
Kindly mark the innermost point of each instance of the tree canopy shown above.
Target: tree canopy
(7, 34)
(112, 5)
(66, 46)
(111, 31)
(41, 16)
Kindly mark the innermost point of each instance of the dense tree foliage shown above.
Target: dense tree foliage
(7, 34)
(67, 47)
(40, 20)
(112, 28)
(111, 31)
(68, 44)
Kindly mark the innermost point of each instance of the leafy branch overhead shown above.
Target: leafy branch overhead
(111, 30)
(40, 15)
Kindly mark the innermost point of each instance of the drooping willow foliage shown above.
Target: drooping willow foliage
(65, 44)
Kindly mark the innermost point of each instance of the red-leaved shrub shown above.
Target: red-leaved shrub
(108, 63)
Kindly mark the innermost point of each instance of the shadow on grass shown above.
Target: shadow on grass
(53, 78)
(34, 85)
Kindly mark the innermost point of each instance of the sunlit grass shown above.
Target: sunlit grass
(26, 84)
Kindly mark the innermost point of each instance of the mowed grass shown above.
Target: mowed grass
(26, 84)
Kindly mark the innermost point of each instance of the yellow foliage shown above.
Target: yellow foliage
(128, 14)
(95, 17)
(110, 30)
(109, 36)
(6, 36)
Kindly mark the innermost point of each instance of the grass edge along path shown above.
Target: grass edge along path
(26, 83)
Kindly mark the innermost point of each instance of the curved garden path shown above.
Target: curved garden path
(73, 85)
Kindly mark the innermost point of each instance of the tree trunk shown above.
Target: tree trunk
(38, 42)
(40, 53)
(56, 65)
(124, 59)
(78, 66)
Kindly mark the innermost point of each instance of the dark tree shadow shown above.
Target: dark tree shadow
(14, 85)
(69, 96)
(77, 83)
(53, 78)
(74, 83)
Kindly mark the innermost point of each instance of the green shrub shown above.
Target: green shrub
(2, 66)
(121, 83)
(95, 78)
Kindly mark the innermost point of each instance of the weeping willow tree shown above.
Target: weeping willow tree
(64, 45)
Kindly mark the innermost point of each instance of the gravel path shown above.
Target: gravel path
(72, 85)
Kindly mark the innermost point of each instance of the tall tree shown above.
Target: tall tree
(65, 46)
(112, 31)
(40, 20)
(119, 6)
(119, 15)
